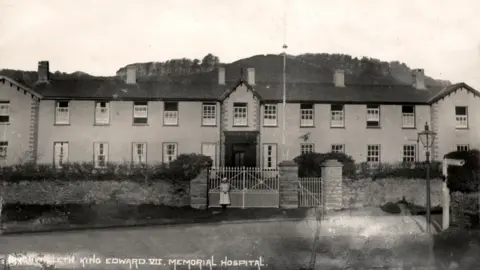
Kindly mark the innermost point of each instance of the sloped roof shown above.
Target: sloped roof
(118, 89)
(328, 93)
(306, 83)
(270, 92)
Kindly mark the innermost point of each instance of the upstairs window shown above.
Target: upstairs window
(270, 115)
(209, 114)
(408, 116)
(102, 113)
(373, 115)
(3, 149)
(337, 116)
(240, 116)
(170, 114)
(62, 113)
(100, 157)
(306, 115)
(140, 113)
(61, 153)
(461, 117)
(4, 112)
(139, 153)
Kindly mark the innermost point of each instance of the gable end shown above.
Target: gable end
(26, 91)
(238, 84)
(452, 89)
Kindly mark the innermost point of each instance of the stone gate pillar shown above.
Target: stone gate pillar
(199, 191)
(288, 188)
(332, 184)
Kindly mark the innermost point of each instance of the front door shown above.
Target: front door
(244, 155)
(240, 148)
(239, 158)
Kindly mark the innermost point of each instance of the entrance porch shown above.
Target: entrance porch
(241, 149)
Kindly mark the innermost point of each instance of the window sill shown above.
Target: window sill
(409, 128)
(461, 128)
(140, 125)
(270, 126)
(307, 126)
(101, 125)
(61, 124)
(337, 127)
(374, 127)
(240, 126)
(209, 125)
(170, 125)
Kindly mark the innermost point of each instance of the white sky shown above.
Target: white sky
(100, 36)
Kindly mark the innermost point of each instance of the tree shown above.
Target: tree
(196, 65)
(209, 62)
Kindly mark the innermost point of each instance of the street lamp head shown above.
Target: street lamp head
(426, 137)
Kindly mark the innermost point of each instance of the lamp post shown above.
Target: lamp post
(426, 137)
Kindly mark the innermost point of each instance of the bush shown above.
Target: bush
(465, 178)
(391, 208)
(465, 209)
(309, 165)
(184, 168)
(400, 170)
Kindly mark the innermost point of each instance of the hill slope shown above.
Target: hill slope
(307, 67)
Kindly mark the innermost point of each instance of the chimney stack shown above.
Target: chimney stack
(251, 76)
(221, 75)
(43, 72)
(131, 75)
(418, 76)
(339, 78)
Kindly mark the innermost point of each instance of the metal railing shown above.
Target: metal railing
(244, 179)
(309, 192)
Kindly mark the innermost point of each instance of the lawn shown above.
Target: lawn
(20, 218)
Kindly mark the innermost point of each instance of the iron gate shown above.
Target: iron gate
(249, 187)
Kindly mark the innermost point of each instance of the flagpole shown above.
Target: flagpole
(284, 103)
(284, 77)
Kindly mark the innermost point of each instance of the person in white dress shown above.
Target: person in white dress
(224, 193)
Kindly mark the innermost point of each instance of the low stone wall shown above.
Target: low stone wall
(365, 192)
(159, 192)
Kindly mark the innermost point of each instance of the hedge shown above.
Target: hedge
(400, 170)
(465, 209)
(465, 178)
(184, 168)
(309, 164)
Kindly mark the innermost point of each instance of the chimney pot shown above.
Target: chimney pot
(131, 75)
(221, 75)
(43, 72)
(418, 77)
(339, 78)
(251, 76)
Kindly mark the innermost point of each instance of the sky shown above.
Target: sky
(100, 36)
